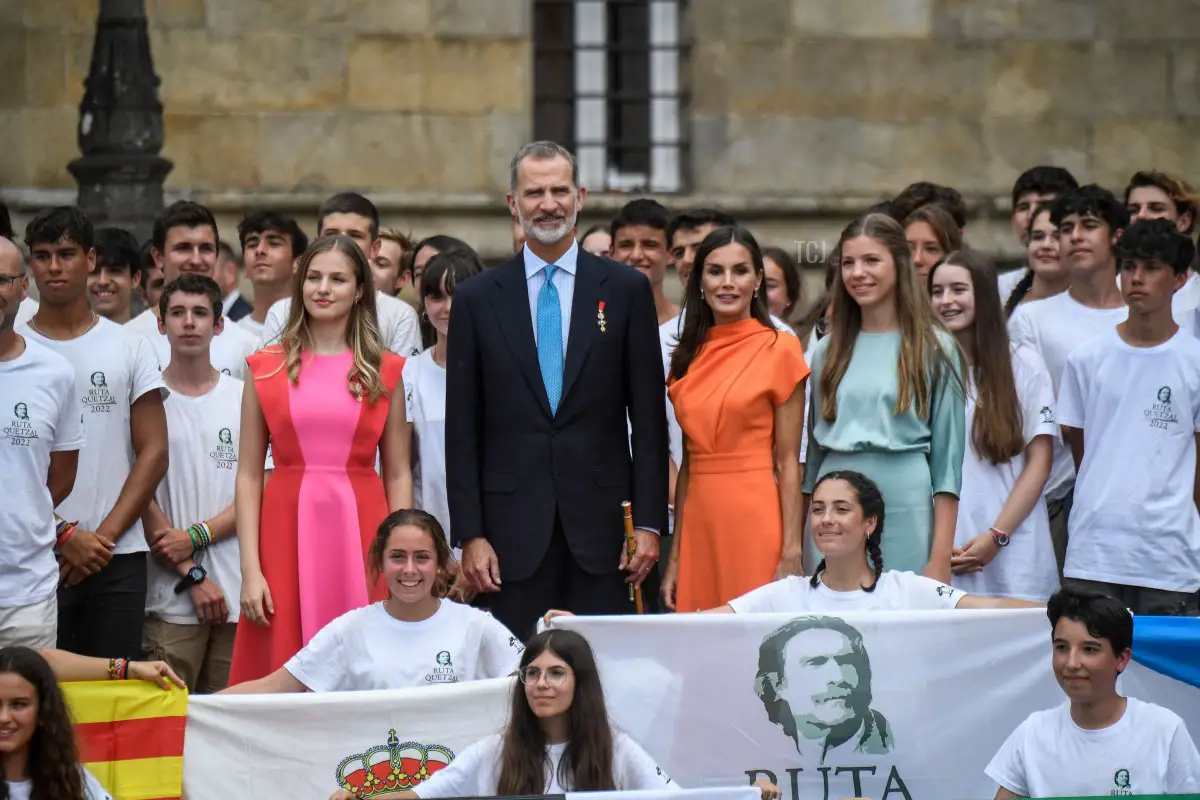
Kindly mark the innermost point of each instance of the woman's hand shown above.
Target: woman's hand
(769, 790)
(256, 599)
(159, 672)
(554, 612)
(342, 794)
(790, 563)
(669, 582)
(976, 555)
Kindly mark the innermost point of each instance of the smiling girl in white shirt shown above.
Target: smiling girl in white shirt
(414, 638)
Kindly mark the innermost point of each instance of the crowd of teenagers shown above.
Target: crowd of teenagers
(317, 489)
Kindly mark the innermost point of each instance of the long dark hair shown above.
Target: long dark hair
(697, 316)
(1026, 283)
(870, 499)
(53, 757)
(455, 265)
(587, 763)
(997, 431)
(792, 280)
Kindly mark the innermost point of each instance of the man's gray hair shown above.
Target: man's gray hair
(541, 150)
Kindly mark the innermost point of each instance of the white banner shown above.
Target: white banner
(891, 706)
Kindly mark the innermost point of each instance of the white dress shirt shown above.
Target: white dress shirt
(564, 281)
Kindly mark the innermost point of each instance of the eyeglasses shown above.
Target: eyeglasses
(9, 281)
(555, 676)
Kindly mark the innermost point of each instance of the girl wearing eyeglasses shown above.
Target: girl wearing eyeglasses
(414, 638)
(558, 737)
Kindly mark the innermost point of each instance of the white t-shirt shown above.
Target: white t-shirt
(25, 311)
(228, 350)
(1134, 519)
(92, 790)
(251, 327)
(399, 327)
(113, 368)
(476, 771)
(425, 407)
(368, 648)
(1007, 281)
(895, 591)
(203, 437)
(1187, 299)
(1054, 327)
(1147, 751)
(1026, 567)
(41, 414)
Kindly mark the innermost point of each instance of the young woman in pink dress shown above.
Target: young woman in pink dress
(328, 399)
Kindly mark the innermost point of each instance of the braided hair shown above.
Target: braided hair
(870, 499)
(1018, 293)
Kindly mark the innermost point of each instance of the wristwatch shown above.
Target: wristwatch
(194, 576)
(1002, 538)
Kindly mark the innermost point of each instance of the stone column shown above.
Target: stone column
(121, 173)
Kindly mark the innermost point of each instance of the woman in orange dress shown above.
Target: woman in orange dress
(737, 386)
(328, 399)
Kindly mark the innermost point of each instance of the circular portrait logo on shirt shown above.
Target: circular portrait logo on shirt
(1123, 782)
(225, 435)
(99, 381)
(99, 400)
(1161, 414)
(814, 680)
(20, 430)
(444, 671)
(225, 453)
(21, 411)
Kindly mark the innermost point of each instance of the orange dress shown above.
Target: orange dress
(732, 520)
(322, 505)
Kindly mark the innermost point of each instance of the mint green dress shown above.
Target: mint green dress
(911, 458)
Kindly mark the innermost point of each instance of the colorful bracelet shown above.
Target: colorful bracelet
(118, 669)
(63, 533)
(201, 535)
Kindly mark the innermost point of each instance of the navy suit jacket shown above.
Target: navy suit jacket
(511, 465)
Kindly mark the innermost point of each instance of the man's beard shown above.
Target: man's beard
(548, 235)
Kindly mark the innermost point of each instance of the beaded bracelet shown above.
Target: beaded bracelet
(62, 532)
(118, 669)
(201, 535)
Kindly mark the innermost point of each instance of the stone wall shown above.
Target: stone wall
(801, 111)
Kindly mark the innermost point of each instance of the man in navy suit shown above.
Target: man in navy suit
(554, 359)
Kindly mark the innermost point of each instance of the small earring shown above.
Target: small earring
(756, 291)
(701, 294)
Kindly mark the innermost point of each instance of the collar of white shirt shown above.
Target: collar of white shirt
(534, 264)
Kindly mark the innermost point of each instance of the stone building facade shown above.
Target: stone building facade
(795, 113)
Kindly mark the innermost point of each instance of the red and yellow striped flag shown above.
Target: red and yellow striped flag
(130, 736)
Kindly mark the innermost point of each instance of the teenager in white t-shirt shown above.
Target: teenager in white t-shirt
(185, 241)
(846, 518)
(425, 381)
(1151, 194)
(1130, 408)
(102, 601)
(42, 433)
(353, 215)
(559, 693)
(1098, 742)
(414, 638)
(272, 244)
(1048, 273)
(1002, 537)
(1089, 221)
(1035, 188)
(195, 571)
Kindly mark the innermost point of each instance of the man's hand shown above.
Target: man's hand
(639, 565)
(172, 545)
(211, 608)
(480, 565)
(84, 553)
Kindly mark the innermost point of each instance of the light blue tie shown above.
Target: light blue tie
(550, 339)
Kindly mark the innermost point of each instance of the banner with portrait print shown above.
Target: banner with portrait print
(886, 705)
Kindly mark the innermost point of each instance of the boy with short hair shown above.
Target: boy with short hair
(924, 193)
(102, 599)
(639, 239)
(350, 214)
(272, 243)
(1157, 195)
(1090, 220)
(1129, 404)
(117, 275)
(195, 576)
(1037, 186)
(186, 241)
(1098, 742)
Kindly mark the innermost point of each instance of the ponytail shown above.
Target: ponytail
(1018, 293)
(875, 555)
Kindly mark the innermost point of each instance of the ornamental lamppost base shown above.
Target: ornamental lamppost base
(121, 190)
